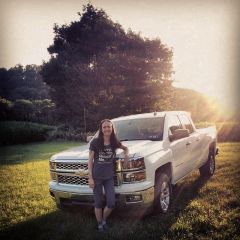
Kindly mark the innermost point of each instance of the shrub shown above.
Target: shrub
(23, 109)
(5, 108)
(17, 132)
(68, 133)
(14, 132)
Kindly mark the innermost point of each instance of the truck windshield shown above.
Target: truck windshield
(139, 129)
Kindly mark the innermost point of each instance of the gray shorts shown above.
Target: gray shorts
(108, 185)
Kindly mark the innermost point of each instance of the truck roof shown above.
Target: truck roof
(148, 115)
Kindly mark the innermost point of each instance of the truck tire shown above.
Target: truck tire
(162, 193)
(60, 206)
(208, 169)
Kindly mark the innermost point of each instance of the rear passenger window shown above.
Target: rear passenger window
(186, 123)
(174, 124)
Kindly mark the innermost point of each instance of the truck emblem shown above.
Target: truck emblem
(81, 172)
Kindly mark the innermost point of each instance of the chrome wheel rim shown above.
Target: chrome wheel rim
(212, 165)
(164, 196)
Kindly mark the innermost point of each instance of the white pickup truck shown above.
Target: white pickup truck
(164, 147)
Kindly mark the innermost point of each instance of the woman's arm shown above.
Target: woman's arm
(90, 165)
(126, 157)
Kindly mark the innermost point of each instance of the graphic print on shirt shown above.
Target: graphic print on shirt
(105, 156)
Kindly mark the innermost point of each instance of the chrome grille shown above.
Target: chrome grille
(62, 168)
(72, 180)
(76, 166)
(79, 180)
(72, 166)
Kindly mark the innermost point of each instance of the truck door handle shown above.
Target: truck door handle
(188, 143)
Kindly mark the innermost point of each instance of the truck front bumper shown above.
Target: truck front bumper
(130, 201)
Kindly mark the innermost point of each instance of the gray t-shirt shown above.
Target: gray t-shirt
(103, 165)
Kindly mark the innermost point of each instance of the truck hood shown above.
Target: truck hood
(141, 148)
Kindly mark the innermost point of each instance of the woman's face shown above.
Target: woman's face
(107, 128)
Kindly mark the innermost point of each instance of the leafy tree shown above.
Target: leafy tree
(97, 66)
(44, 111)
(3, 82)
(10, 80)
(22, 83)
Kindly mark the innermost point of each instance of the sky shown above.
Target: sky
(204, 36)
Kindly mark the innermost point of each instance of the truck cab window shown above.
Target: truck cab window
(174, 124)
(186, 123)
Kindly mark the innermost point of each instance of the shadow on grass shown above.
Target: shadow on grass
(78, 223)
(55, 225)
(183, 193)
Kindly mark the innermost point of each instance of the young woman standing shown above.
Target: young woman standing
(101, 170)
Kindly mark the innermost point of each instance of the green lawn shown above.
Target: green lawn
(202, 209)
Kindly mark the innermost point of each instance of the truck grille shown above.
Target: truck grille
(67, 177)
(76, 166)
(72, 166)
(79, 180)
(72, 180)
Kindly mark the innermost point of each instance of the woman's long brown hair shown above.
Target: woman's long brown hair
(114, 142)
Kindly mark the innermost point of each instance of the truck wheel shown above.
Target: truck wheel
(65, 208)
(60, 206)
(208, 169)
(162, 193)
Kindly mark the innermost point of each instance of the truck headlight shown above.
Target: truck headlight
(130, 177)
(134, 163)
(52, 173)
(51, 165)
(53, 176)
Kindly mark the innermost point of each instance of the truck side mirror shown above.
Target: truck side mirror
(178, 134)
(89, 138)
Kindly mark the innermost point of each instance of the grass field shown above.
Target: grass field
(202, 209)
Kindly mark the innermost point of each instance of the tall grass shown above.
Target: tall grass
(202, 208)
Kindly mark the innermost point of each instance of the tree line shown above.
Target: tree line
(24, 96)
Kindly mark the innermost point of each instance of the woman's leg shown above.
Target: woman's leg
(106, 212)
(99, 214)
(98, 197)
(110, 197)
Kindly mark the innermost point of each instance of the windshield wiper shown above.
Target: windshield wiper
(124, 140)
(133, 139)
(150, 139)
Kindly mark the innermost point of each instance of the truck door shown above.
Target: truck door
(194, 142)
(180, 149)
